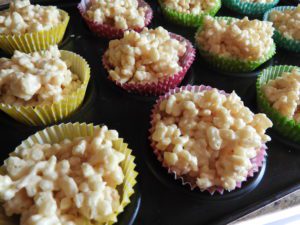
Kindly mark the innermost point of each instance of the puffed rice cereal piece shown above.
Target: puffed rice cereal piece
(36, 78)
(121, 14)
(65, 183)
(209, 137)
(22, 17)
(240, 39)
(144, 57)
(287, 22)
(191, 6)
(283, 94)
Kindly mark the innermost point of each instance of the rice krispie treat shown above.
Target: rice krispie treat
(241, 39)
(22, 17)
(287, 22)
(191, 6)
(144, 57)
(283, 94)
(36, 78)
(72, 182)
(208, 138)
(121, 14)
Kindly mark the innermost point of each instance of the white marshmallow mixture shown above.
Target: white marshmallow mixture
(122, 14)
(209, 138)
(242, 39)
(190, 6)
(22, 17)
(145, 56)
(287, 22)
(67, 183)
(36, 78)
(283, 94)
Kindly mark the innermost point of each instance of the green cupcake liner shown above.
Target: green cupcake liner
(288, 128)
(282, 41)
(187, 19)
(248, 8)
(230, 64)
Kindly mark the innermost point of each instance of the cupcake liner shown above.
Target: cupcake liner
(230, 64)
(106, 30)
(70, 131)
(164, 84)
(35, 41)
(187, 19)
(249, 8)
(257, 162)
(51, 113)
(288, 128)
(282, 41)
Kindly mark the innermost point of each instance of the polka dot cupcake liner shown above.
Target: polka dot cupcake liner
(186, 19)
(230, 64)
(35, 41)
(106, 30)
(257, 162)
(286, 127)
(282, 41)
(164, 84)
(58, 133)
(50, 113)
(249, 8)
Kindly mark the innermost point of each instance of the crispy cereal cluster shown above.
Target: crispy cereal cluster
(191, 6)
(283, 94)
(145, 56)
(122, 14)
(287, 22)
(242, 39)
(22, 17)
(209, 137)
(35, 78)
(66, 183)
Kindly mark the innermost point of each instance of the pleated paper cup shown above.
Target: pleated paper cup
(286, 127)
(35, 41)
(249, 8)
(58, 133)
(164, 84)
(230, 64)
(106, 30)
(187, 19)
(280, 40)
(46, 114)
(257, 162)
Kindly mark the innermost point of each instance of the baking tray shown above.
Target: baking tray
(159, 199)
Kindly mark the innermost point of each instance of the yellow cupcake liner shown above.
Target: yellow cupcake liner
(58, 133)
(51, 113)
(35, 41)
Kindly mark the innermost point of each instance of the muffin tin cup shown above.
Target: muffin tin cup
(58, 133)
(106, 30)
(229, 64)
(282, 41)
(248, 8)
(286, 127)
(257, 162)
(35, 41)
(164, 84)
(50, 113)
(187, 19)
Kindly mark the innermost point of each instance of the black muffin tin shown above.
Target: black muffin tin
(158, 198)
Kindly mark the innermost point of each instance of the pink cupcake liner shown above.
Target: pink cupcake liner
(164, 84)
(106, 30)
(257, 161)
